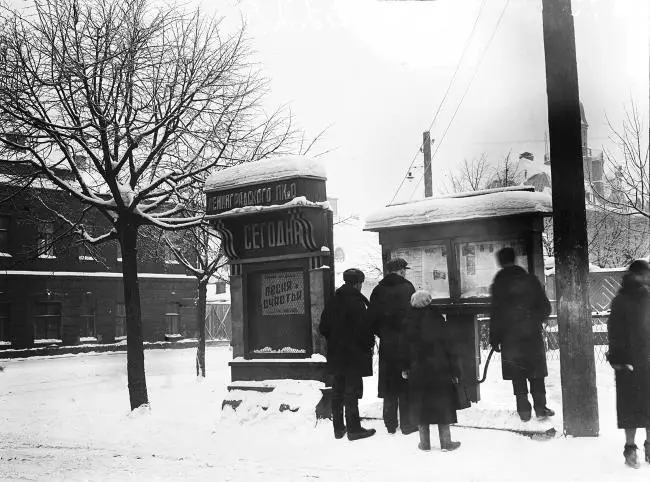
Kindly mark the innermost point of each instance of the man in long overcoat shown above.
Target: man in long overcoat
(628, 329)
(519, 308)
(390, 303)
(350, 343)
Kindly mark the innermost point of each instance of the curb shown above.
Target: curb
(108, 348)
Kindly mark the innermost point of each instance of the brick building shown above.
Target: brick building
(55, 289)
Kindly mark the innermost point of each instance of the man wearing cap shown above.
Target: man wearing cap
(390, 302)
(350, 341)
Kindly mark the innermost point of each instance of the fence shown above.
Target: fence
(218, 325)
(551, 341)
(603, 286)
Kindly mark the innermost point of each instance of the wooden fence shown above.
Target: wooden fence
(218, 325)
(603, 286)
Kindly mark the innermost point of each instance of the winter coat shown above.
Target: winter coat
(345, 326)
(628, 330)
(390, 302)
(427, 352)
(519, 307)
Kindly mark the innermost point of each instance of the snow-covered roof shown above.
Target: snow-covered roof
(490, 203)
(267, 170)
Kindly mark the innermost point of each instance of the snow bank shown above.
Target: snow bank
(268, 170)
(291, 405)
(490, 203)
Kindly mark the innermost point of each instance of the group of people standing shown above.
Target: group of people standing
(420, 371)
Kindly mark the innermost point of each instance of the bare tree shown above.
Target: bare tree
(470, 176)
(481, 174)
(505, 174)
(627, 172)
(138, 102)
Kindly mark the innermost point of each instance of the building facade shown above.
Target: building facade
(56, 289)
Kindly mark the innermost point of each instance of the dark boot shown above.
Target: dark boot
(353, 421)
(425, 437)
(646, 446)
(523, 408)
(446, 444)
(337, 418)
(631, 459)
(541, 410)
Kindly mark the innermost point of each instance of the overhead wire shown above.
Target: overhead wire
(469, 85)
(451, 82)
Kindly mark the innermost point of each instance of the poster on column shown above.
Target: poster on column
(283, 293)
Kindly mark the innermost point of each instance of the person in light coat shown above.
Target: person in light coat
(432, 368)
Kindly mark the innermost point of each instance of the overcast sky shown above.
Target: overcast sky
(376, 71)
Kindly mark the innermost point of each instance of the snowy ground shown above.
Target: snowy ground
(67, 418)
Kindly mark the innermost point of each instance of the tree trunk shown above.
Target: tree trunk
(200, 325)
(134, 342)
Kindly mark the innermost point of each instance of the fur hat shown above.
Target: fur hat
(420, 299)
(353, 276)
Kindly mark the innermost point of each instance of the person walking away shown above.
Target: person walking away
(389, 304)
(628, 329)
(519, 308)
(431, 368)
(350, 342)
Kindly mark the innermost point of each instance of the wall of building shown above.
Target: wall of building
(80, 290)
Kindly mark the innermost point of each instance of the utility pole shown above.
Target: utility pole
(577, 366)
(426, 149)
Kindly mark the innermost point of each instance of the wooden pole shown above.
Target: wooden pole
(577, 366)
(426, 149)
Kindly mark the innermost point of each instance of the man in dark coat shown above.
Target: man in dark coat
(350, 342)
(390, 303)
(519, 308)
(628, 329)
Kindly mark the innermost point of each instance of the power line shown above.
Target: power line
(469, 85)
(453, 77)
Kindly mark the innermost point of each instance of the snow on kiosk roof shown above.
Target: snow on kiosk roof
(267, 170)
(489, 203)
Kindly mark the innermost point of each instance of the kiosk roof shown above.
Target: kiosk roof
(267, 170)
(490, 203)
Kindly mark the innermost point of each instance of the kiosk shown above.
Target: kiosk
(275, 227)
(450, 244)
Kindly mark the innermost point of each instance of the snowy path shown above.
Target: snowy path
(67, 418)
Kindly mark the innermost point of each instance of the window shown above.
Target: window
(81, 162)
(173, 317)
(169, 256)
(19, 139)
(120, 320)
(88, 323)
(47, 321)
(5, 223)
(428, 268)
(46, 240)
(84, 253)
(220, 287)
(119, 252)
(4, 321)
(478, 264)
